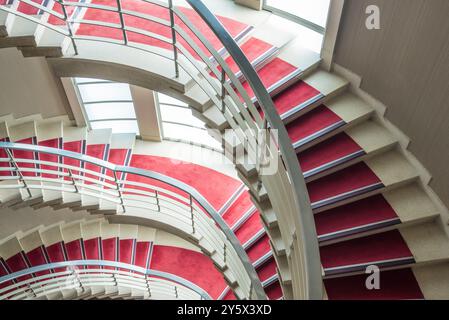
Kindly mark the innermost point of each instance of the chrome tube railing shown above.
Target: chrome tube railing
(84, 274)
(194, 54)
(137, 191)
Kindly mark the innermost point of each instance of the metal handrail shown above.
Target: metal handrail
(195, 196)
(100, 263)
(305, 214)
(226, 92)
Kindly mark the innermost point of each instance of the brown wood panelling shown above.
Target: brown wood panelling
(405, 65)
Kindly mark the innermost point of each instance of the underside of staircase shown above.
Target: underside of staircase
(370, 200)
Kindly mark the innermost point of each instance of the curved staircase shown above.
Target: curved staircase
(370, 200)
(95, 240)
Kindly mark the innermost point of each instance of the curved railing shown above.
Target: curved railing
(85, 274)
(194, 55)
(134, 191)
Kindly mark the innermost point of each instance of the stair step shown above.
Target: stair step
(239, 208)
(344, 149)
(343, 184)
(384, 250)
(75, 141)
(383, 172)
(394, 285)
(267, 272)
(274, 291)
(259, 249)
(120, 153)
(328, 154)
(26, 133)
(249, 229)
(392, 209)
(50, 135)
(360, 216)
(276, 76)
(97, 146)
(327, 120)
(257, 51)
(19, 27)
(296, 98)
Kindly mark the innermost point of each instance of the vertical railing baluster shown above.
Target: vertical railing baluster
(192, 216)
(122, 22)
(21, 178)
(148, 285)
(173, 36)
(122, 203)
(223, 90)
(224, 252)
(157, 200)
(73, 180)
(69, 27)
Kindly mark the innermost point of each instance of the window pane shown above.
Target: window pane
(120, 110)
(110, 91)
(198, 136)
(87, 80)
(118, 126)
(180, 115)
(312, 10)
(166, 99)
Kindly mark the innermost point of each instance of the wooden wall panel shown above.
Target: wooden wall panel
(405, 65)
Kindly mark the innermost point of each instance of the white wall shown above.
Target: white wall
(28, 86)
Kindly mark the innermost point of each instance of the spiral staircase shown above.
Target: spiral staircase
(353, 196)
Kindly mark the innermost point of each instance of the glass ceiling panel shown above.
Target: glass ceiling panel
(179, 124)
(88, 80)
(108, 110)
(108, 104)
(117, 126)
(110, 91)
(180, 115)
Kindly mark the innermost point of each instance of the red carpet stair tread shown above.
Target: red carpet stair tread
(386, 249)
(328, 154)
(255, 50)
(394, 285)
(235, 28)
(346, 183)
(200, 271)
(295, 98)
(313, 125)
(364, 215)
(272, 74)
(191, 265)
(216, 187)
(240, 206)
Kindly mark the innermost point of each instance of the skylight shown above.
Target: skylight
(108, 104)
(178, 124)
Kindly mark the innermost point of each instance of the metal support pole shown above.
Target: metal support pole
(223, 90)
(73, 180)
(69, 26)
(21, 178)
(119, 192)
(122, 22)
(157, 200)
(192, 216)
(173, 36)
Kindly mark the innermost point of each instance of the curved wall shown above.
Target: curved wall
(405, 65)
